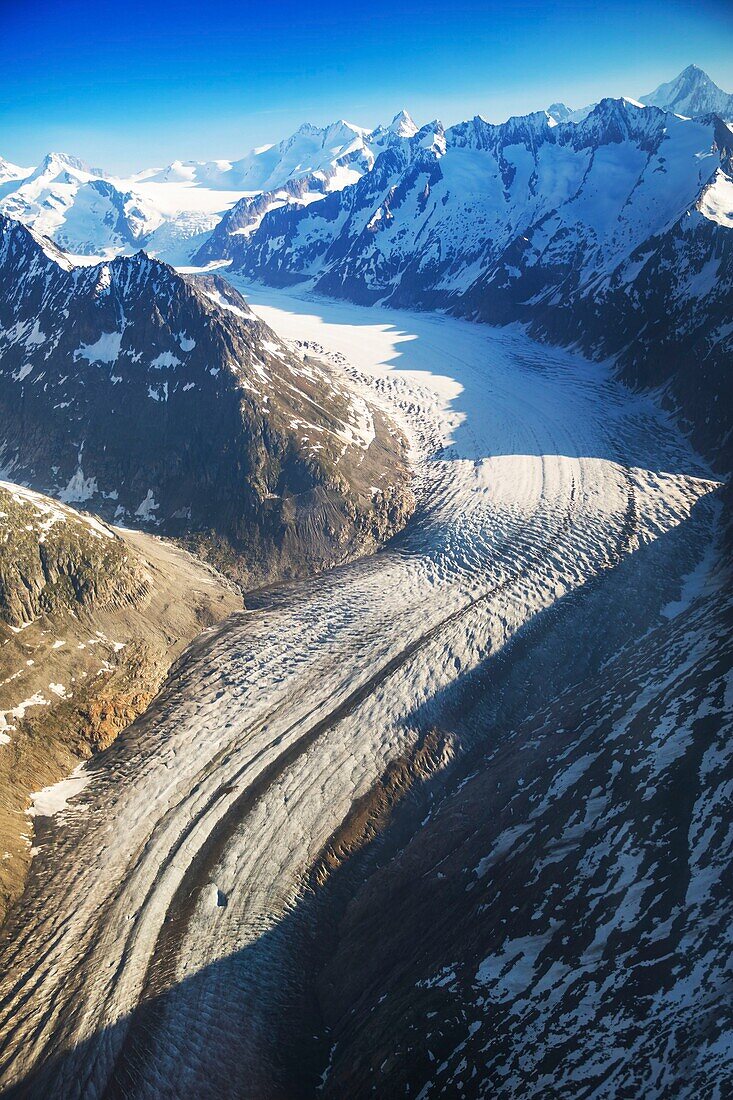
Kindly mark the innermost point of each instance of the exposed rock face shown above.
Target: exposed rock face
(53, 560)
(90, 621)
(163, 402)
(612, 234)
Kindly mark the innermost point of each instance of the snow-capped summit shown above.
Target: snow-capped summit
(309, 150)
(78, 207)
(560, 112)
(691, 93)
(56, 164)
(403, 125)
(211, 173)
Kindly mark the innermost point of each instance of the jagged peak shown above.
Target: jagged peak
(560, 112)
(25, 238)
(340, 124)
(8, 168)
(617, 115)
(403, 124)
(482, 134)
(691, 92)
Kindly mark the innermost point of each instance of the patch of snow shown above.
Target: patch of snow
(146, 507)
(104, 350)
(165, 359)
(55, 799)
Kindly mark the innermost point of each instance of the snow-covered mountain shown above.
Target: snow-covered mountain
(570, 221)
(691, 93)
(430, 219)
(81, 209)
(560, 112)
(245, 217)
(613, 232)
(338, 153)
(171, 211)
(174, 212)
(9, 173)
(162, 401)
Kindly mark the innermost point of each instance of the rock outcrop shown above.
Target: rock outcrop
(91, 620)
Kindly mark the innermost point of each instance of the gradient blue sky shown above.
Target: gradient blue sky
(131, 84)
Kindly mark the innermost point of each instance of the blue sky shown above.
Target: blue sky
(131, 84)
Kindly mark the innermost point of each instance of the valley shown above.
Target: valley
(180, 928)
(366, 628)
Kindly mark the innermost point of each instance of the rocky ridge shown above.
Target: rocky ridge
(162, 402)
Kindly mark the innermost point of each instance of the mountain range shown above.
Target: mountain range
(611, 234)
(606, 228)
(172, 212)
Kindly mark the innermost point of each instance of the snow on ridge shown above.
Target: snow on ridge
(716, 202)
(50, 511)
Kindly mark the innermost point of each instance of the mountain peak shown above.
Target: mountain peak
(402, 124)
(560, 112)
(9, 171)
(64, 160)
(53, 164)
(691, 93)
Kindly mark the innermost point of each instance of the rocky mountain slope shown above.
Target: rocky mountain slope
(91, 618)
(612, 234)
(162, 402)
(560, 926)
